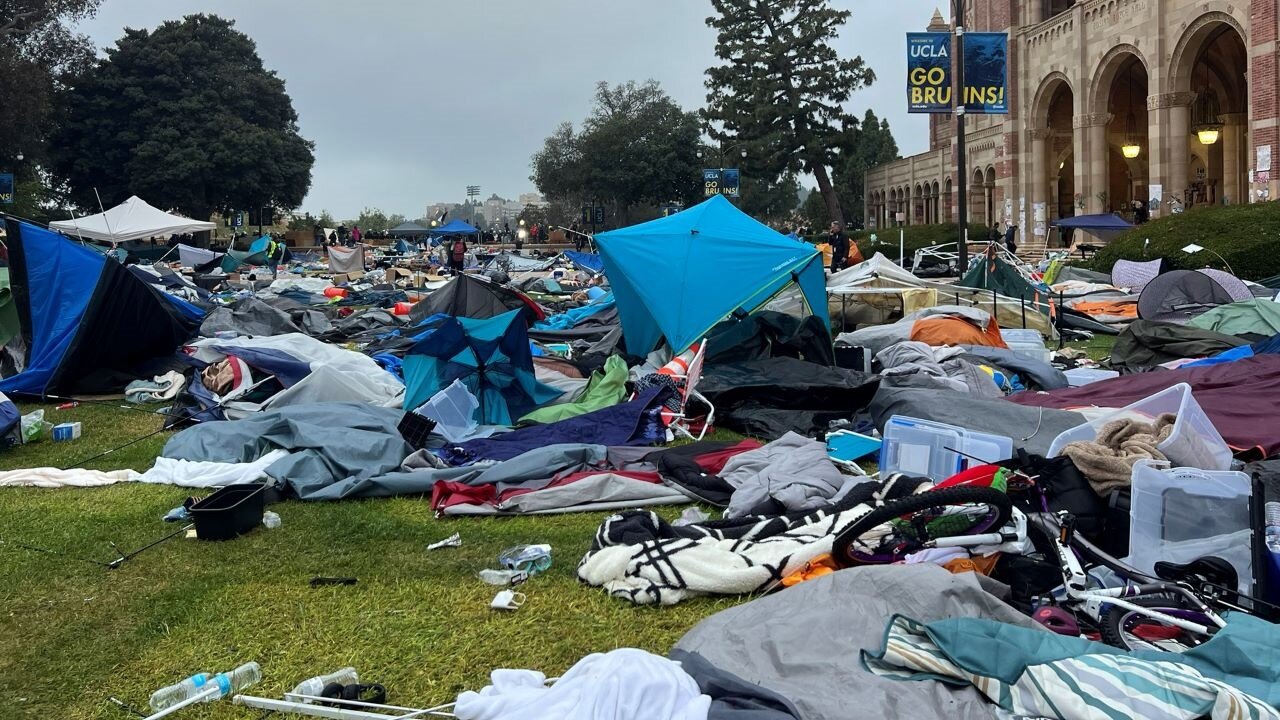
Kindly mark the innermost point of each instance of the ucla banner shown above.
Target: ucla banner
(929, 72)
(986, 73)
(721, 181)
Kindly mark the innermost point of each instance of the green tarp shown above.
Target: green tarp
(606, 388)
(1255, 317)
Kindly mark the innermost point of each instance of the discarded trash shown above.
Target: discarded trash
(68, 405)
(200, 688)
(320, 581)
(531, 559)
(64, 432)
(503, 577)
(33, 424)
(169, 696)
(270, 520)
(316, 685)
(454, 540)
(507, 600)
(691, 516)
(178, 514)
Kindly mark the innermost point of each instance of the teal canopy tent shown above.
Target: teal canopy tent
(678, 276)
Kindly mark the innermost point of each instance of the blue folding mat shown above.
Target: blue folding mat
(676, 277)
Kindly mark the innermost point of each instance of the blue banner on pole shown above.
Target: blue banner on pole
(6, 188)
(730, 182)
(986, 73)
(929, 86)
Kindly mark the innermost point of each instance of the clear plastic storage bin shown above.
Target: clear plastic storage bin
(1182, 514)
(1195, 442)
(922, 448)
(1026, 343)
(1084, 376)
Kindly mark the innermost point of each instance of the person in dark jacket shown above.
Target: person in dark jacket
(839, 243)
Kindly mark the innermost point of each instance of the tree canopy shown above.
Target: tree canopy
(780, 88)
(187, 117)
(865, 145)
(637, 148)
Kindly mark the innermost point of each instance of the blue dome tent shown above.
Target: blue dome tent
(676, 277)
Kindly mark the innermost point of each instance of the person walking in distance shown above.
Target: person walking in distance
(457, 254)
(839, 243)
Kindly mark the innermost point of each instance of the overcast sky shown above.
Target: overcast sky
(410, 102)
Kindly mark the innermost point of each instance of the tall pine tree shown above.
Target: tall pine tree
(781, 87)
(867, 144)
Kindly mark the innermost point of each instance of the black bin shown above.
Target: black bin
(232, 511)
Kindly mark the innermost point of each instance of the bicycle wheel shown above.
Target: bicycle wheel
(917, 519)
(1131, 630)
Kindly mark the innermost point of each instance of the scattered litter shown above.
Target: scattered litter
(33, 425)
(507, 600)
(691, 516)
(454, 540)
(68, 405)
(503, 577)
(64, 432)
(270, 520)
(531, 559)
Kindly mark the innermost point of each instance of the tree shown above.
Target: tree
(188, 118)
(637, 148)
(768, 199)
(372, 219)
(39, 54)
(781, 86)
(866, 145)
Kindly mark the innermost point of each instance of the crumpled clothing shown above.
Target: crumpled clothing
(672, 401)
(941, 365)
(790, 473)
(1108, 461)
(47, 477)
(164, 387)
(624, 684)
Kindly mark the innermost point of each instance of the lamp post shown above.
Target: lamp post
(962, 186)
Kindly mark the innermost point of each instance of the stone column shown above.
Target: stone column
(986, 205)
(1039, 174)
(1168, 129)
(1232, 184)
(1097, 162)
(1179, 156)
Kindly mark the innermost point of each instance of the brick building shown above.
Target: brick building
(1112, 102)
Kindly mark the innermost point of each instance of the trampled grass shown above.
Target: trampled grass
(72, 633)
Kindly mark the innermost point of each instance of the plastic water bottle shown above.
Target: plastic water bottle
(223, 684)
(315, 685)
(1272, 526)
(503, 578)
(176, 693)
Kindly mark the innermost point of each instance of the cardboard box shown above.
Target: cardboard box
(66, 431)
(344, 278)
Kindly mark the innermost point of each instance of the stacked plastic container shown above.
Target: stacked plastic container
(1181, 514)
(922, 448)
(1194, 442)
(1026, 343)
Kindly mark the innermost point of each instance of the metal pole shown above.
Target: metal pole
(902, 260)
(958, 101)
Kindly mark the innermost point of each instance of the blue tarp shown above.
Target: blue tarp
(678, 276)
(454, 227)
(1262, 347)
(572, 317)
(587, 262)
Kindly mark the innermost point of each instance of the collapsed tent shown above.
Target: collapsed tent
(1135, 275)
(1179, 295)
(1250, 317)
(878, 290)
(676, 277)
(132, 219)
(255, 254)
(473, 296)
(768, 398)
(194, 257)
(1145, 344)
(87, 323)
(490, 356)
(587, 262)
(1228, 393)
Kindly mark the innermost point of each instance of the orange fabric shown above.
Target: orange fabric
(815, 568)
(949, 330)
(980, 565)
(855, 255)
(1103, 307)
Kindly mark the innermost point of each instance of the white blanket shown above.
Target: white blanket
(625, 684)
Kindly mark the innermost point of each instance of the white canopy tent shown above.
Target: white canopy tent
(132, 219)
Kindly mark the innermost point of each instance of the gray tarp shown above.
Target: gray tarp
(250, 317)
(974, 413)
(793, 471)
(803, 642)
(1042, 373)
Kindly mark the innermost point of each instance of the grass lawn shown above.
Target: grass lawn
(72, 634)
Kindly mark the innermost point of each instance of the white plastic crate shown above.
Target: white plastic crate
(922, 448)
(1022, 335)
(1182, 514)
(1195, 442)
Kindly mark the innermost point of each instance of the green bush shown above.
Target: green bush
(1246, 236)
